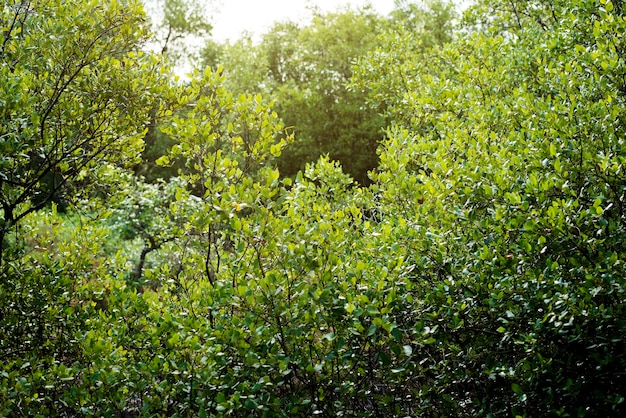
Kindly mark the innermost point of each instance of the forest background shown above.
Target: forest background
(418, 214)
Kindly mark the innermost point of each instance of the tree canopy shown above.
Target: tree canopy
(478, 270)
(305, 70)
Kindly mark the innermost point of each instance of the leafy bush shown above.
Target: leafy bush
(490, 281)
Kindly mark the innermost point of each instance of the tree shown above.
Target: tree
(73, 100)
(178, 29)
(177, 26)
(490, 282)
(227, 145)
(504, 157)
(432, 21)
(304, 71)
(390, 72)
(313, 97)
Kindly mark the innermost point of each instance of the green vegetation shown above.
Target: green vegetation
(305, 72)
(478, 270)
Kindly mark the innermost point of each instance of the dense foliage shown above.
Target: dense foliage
(305, 69)
(481, 273)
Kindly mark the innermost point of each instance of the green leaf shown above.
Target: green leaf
(371, 330)
(609, 6)
(163, 161)
(235, 223)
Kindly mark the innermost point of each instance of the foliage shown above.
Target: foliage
(304, 70)
(430, 21)
(177, 26)
(402, 53)
(506, 158)
(49, 298)
(481, 274)
(72, 99)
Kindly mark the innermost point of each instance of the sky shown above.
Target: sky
(236, 16)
